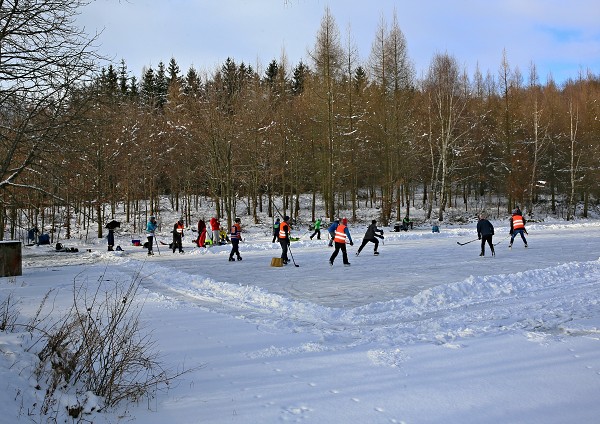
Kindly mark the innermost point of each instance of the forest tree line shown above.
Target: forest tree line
(350, 132)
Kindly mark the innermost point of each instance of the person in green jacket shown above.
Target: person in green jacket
(317, 227)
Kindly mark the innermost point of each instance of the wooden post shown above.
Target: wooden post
(10, 258)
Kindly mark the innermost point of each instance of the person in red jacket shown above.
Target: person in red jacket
(215, 226)
(517, 226)
(201, 233)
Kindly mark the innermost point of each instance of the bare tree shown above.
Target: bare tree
(328, 59)
(43, 57)
(393, 75)
(448, 93)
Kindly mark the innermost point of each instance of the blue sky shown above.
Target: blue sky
(561, 37)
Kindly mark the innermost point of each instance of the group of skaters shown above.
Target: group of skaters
(485, 230)
(339, 235)
(338, 232)
(211, 234)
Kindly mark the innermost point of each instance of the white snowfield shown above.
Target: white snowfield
(426, 332)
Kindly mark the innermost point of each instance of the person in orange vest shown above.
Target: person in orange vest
(284, 238)
(235, 236)
(517, 226)
(178, 236)
(341, 235)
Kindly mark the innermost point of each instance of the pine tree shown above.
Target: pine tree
(161, 86)
(299, 76)
(123, 78)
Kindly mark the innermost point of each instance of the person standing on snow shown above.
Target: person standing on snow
(150, 230)
(341, 235)
(201, 233)
(317, 229)
(276, 230)
(284, 238)
(371, 236)
(517, 226)
(215, 226)
(110, 239)
(485, 232)
(331, 231)
(178, 236)
(235, 236)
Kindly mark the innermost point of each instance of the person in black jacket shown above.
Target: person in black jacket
(371, 236)
(485, 232)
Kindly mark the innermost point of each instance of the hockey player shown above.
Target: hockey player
(284, 238)
(485, 233)
(235, 236)
(517, 226)
(341, 235)
(371, 236)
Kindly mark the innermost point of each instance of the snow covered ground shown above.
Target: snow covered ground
(426, 332)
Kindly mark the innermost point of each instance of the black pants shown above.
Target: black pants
(284, 249)
(338, 247)
(111, 239)
(150, 243)
(177, 243)
(487, 238)
(316, 233)
(365, 241)
(235, 248)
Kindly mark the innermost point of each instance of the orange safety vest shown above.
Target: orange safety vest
(283, 228)
(179, 228)
(340, 234)
(518, 222)
(236, 231)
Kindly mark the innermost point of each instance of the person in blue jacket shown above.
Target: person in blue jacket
(150, 229)
(331, 231)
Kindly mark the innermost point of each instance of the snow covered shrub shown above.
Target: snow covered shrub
(98, 351)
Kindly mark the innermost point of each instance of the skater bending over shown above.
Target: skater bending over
(371, 236)
(517, 226)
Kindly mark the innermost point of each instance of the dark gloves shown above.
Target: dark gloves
(479, 236)
(351, 243)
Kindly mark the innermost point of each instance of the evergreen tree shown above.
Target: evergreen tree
(123, 78)
(298, 78)
(173, 72)
(161, 86)
(192, 82)
(271, 73)
(148, 87)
